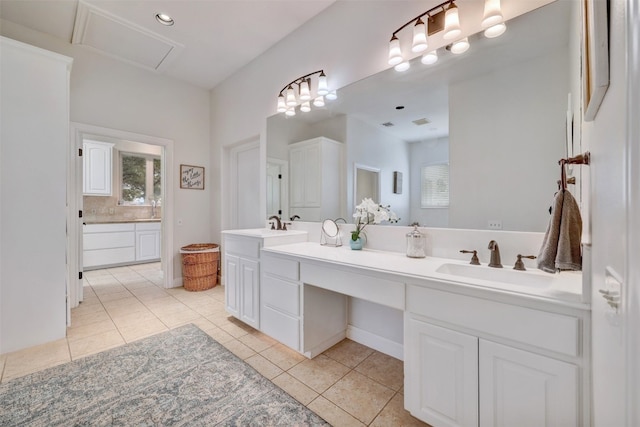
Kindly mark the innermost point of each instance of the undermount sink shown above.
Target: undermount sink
(505, 275)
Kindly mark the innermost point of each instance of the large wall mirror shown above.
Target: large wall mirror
(498, 115)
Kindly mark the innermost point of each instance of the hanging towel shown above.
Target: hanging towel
(561, 245)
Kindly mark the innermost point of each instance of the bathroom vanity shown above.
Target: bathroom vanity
(482, 346)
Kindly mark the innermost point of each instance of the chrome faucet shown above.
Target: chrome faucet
(277, 218)
(495, 255)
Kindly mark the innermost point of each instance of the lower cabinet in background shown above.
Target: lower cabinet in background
(114, 244)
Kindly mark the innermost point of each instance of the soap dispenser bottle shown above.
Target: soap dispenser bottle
(416, 242)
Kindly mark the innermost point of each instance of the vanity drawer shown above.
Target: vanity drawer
(550, 331)
(281, 327)
(280, 294)
(243, 247)
(286, 268)
(369, 288)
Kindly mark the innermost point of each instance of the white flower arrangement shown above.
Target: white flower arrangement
(370, 212)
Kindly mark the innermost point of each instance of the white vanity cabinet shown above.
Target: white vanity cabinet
(315, 179)
(97, 168)
(280, 300)
(242, 278)
(478, 362)
(148, 239)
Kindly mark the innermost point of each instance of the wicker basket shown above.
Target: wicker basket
(200, 266)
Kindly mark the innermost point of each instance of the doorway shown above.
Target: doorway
(244, 186)
(146, 196)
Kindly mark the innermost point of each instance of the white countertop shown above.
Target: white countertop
(564, 288)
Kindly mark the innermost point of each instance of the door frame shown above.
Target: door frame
(631, 290)
(74, 203)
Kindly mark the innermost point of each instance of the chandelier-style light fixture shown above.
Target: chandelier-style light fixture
(445, 18)
(300, 92)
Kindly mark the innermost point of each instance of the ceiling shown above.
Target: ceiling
(211, 39)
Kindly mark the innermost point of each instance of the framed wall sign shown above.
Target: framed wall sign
(192, 177)
(595, 56)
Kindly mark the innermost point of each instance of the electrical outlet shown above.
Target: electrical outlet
(494, 224)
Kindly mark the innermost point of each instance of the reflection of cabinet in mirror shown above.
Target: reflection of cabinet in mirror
(97, 164)
(316, 179)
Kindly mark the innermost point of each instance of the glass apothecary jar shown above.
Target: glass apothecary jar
(416, 243)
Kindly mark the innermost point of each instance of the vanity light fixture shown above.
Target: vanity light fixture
(430, 57)
(492, 19)
(300, 92)
(459, 46)
(164, 19)
(444, 17)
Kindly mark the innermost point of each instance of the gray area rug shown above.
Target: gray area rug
(182, 377)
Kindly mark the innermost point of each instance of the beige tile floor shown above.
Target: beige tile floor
(348, 385)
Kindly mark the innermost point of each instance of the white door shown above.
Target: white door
(442, 387)
(518, 388)
(245, 184)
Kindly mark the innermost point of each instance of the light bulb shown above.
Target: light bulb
(281, 105)
(319, 101)
(395, 53)
(460, 46)
(332, 96)
(291, 97)
(305, 94)
(430, 57)
(291, 112)
(305, 107)
(323, 88)
(495, 31)
(492, 13)
(403, 66)
(451, 23)
(419, 37)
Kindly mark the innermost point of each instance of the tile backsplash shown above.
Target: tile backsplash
(100, 208)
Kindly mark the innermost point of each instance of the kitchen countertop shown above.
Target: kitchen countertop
(121, 221)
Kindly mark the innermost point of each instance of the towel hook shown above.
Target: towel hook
(563, 174)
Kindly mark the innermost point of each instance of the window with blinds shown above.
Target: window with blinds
(434, 186)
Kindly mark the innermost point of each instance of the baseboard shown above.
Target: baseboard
(325, 345)
(376, 342)
(177, 282)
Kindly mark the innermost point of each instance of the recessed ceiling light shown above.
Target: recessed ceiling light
(164, 19)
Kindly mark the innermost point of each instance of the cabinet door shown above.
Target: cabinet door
(97, 166)
(313, 177)
(518, 388)
(441, 374)
(250, 292)
(297, 177)
(147, 245)
(231, 285)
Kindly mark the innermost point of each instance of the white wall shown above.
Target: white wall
(494, 114)
(112, 94)
(425, 153)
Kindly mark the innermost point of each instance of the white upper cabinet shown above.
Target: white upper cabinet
(97, 168)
